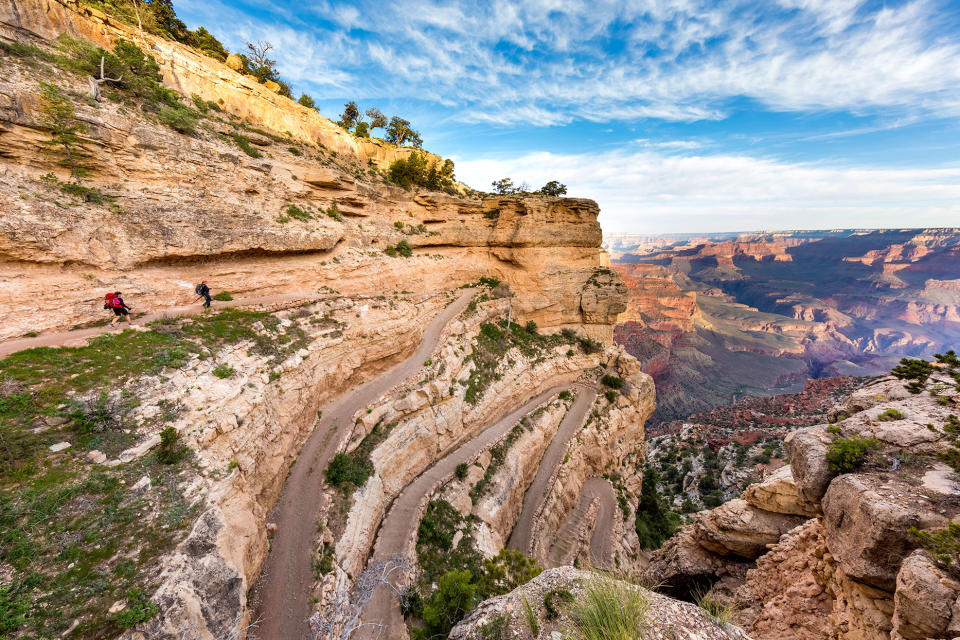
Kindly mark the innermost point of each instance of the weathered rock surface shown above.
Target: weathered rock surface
(778, 493)
(190, 208)
(925, 602)
(853, 572)
(740, 528)
(666, 618)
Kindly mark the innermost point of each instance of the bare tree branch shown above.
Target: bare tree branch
(341, 619)
(96, 82)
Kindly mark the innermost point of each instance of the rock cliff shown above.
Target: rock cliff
(355, 336)
(838, 544)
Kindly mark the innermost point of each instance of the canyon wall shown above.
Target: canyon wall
(350, 267)
(713, 318)
(181, 208)
(828, 547)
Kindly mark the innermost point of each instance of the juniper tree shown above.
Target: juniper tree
(58, 115)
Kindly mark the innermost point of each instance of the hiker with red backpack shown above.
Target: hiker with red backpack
(120, 309)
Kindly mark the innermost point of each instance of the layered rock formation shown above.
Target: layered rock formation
(713, 318)
(307, 218)
(817, 551)
(512, 612)
(180, 208)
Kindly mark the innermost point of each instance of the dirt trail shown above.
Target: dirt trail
(78, 336)
(522, 537)
(601, 540)
(281, 596)
(399, 528)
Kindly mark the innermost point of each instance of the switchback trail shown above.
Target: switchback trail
(61, 338)
(281, 596)
(564, 549)
(399, 528)
(522, 537)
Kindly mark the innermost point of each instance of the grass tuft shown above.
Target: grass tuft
(608, 610)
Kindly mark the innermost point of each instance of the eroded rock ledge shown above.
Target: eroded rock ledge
(809, 554)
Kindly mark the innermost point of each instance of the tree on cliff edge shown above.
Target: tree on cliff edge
(58, 115)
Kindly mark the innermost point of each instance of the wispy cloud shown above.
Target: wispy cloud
(505, 61)
(656, 191)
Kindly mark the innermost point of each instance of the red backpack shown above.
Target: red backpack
(109, 301)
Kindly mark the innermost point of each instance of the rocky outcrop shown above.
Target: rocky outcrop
(668, 618)
(853, 570)
(190, 208)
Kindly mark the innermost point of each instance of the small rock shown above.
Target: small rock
(97, 457)
(142, 485)
(116, 607)
(60, 446)
(271, 528)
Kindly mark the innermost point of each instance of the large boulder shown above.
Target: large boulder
(778, 493)
(925, 601)
(867, 525)
(739, 528)
(666, 617)
(682, 566)
(807, 449)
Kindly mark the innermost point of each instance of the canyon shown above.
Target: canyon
(392, 336)
(712, 318)
(405, 397)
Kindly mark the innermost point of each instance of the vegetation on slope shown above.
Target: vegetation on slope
(75, 535)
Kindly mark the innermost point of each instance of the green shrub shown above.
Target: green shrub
(608, 610)
(243, 142)
(201, 104)
(179, 118)
(170, 451)
(461, 471)
(890, 415)
(497, 629)
(612, 381)
(295, 151)
(555, 600)
(488, 281)
(834, 430)
(611, 396)
(944, 544)
(344, 470)
(351, 470)
(14, 608)
(916, 370)
(846, 455)
(138, 610)
(223, 296)
(334, 213)
(404, 249)
(223, 371)
(454, 598)
(297, 213)
(655, 521)
(391, 251)
(506, 571)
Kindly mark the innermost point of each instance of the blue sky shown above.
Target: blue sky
(675, 116)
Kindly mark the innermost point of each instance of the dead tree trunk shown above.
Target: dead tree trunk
(96, 82)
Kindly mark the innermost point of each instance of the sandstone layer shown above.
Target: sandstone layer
(835, 554)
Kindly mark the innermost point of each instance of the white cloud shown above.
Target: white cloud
(650, 191)
(680, 60)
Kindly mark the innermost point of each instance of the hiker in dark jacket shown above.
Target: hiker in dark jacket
(204, 291)
(115, 303)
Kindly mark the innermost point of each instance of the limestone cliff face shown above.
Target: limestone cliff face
(809, 553)
(185, 208)
(190, 72)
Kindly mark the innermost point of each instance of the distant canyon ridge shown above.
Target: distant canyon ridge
(715, 317)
